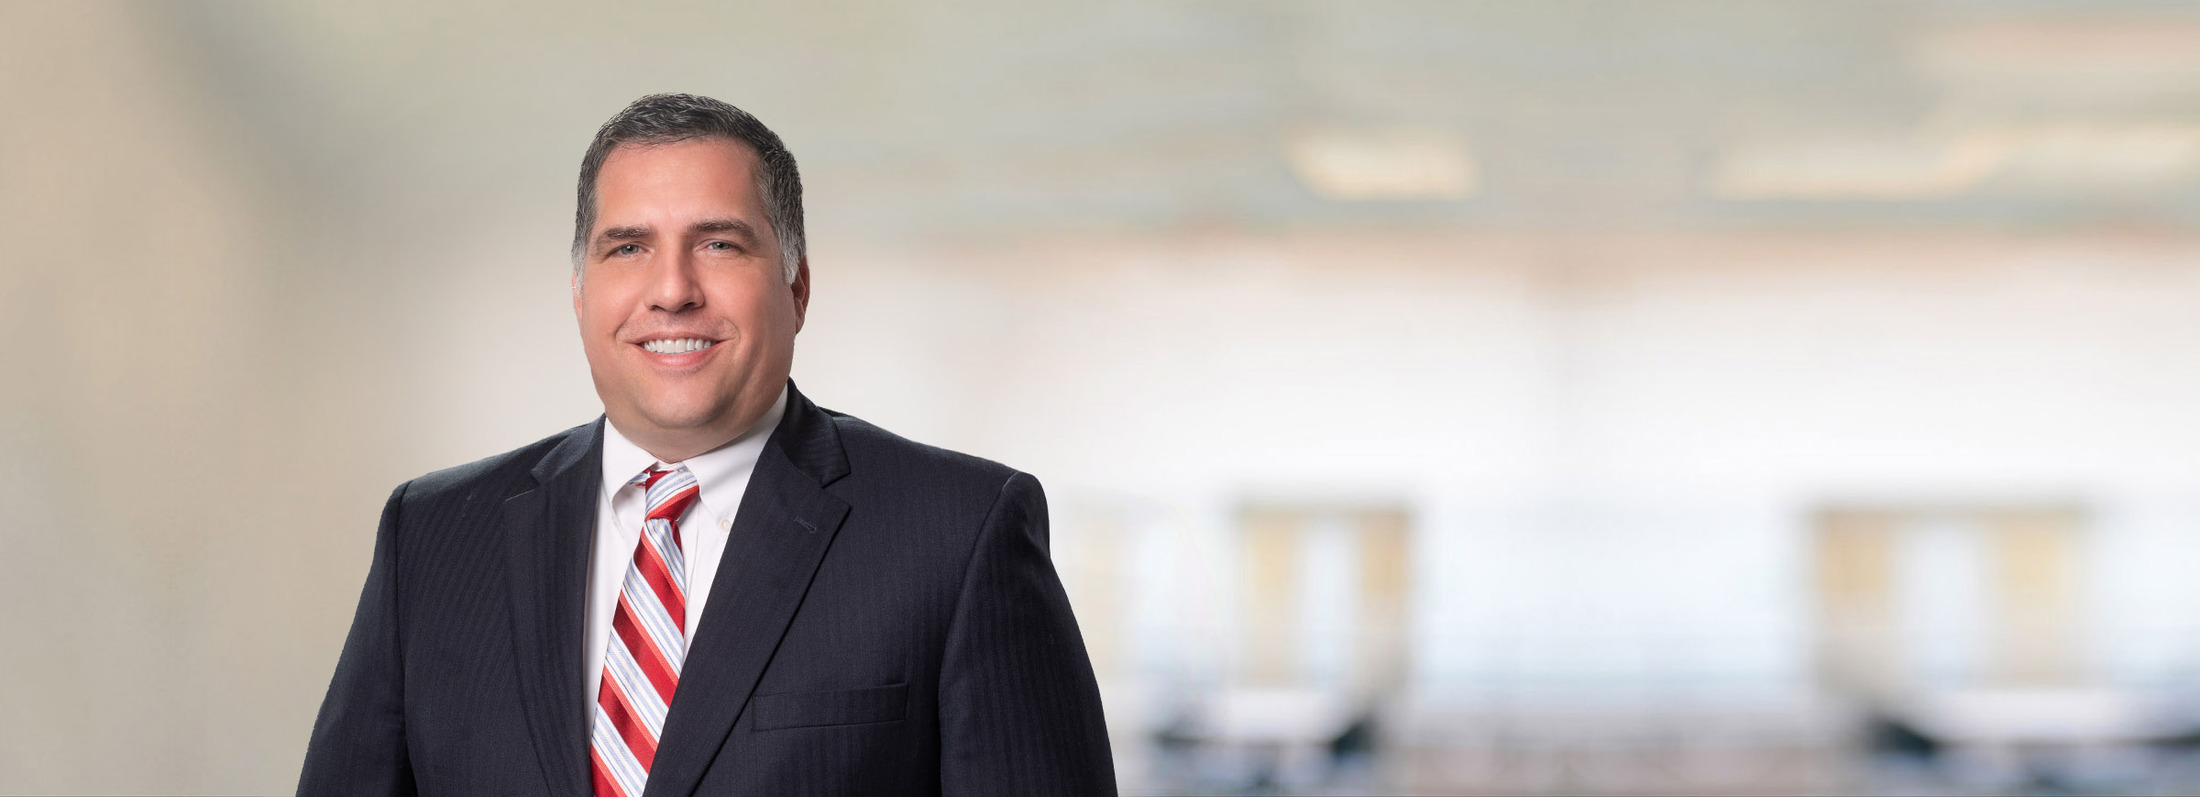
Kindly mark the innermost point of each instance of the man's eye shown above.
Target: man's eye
(718, 245)
(627, 249)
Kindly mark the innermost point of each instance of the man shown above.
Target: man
(718, 587)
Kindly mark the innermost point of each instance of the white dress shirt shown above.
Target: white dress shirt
(722, 474)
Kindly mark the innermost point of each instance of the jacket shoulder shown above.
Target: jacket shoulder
(497, 475)
(872, 449)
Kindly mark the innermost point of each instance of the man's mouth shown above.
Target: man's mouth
(677, 345)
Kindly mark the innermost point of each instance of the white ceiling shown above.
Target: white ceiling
(991, 118)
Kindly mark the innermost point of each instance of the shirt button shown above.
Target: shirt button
(725, 524)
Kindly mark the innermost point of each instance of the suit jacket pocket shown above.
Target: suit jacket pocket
(834, 707)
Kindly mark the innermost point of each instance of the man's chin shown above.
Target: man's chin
(685, 420)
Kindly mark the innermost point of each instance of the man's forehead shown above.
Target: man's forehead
(629, 152)
(648, 179)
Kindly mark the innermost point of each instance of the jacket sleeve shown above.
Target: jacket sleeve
(1019, 709)
(358, 742)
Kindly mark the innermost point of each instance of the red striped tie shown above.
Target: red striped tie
(641, 662)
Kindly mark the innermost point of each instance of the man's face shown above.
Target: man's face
(685, 314)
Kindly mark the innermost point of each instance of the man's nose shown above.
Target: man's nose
(673, 285)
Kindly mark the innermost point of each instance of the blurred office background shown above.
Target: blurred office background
(1557, 397)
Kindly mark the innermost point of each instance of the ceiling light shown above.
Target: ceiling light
(1397, 163)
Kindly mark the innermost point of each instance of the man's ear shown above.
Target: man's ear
(577, 292)
(801, 288)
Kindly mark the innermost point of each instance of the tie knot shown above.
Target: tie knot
(668, 492)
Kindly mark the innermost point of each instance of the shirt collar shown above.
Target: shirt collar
(722, 472)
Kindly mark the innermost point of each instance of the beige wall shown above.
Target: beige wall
(157, 541)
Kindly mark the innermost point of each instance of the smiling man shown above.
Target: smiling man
(718, 587)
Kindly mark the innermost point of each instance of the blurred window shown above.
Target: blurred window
(1947, 598)
(1325, 594)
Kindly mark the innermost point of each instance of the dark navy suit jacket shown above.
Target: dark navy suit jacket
(885, 621)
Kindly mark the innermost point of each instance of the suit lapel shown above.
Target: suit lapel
(547, 536)
(780, 534)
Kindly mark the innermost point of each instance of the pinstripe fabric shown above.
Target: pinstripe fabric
(647, 645)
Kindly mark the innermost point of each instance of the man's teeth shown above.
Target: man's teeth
(676, 345)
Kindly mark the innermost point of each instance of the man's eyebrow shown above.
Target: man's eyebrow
(626, 233)
(734, 226)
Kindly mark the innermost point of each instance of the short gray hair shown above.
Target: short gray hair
(672, 118)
